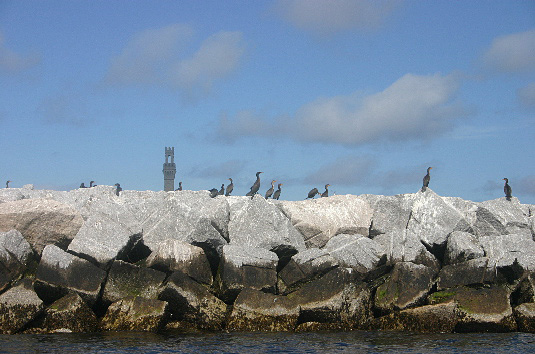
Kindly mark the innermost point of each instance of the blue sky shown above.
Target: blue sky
(363, 95)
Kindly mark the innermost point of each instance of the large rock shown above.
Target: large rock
(255, 310)
(173, 255)
(15, 256)
(258, 223)
(128, 280)
(462, 246)
(321, 219)
(477, 271)
(135, 314)
(390, 213)
(334, 298)
(525, 317)
(60, 272)
(246, 267)
(433, 218)
(303, 267)
(356, 251)
(485, 309)
(441, 318)
(407, 286)
(511, 214)
(402, 245)
(70, 313)
(102, 239)
(41, 221)
(18, 307)
(192, 302)
(504, 249)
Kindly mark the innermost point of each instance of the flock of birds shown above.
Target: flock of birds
(271, 192)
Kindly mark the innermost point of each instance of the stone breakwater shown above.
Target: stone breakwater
(88, 260)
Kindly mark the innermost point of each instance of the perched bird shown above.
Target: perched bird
(7, 184)
(91, 184)
(179, 186)
(222, 190)
(427, 178)
(312, 193)
(277, 192)
(213, 193)
(118, 189)
(256, 186)
(269, 192)
(230, 187)
(326, 193)
(82, 185)
(507, 189)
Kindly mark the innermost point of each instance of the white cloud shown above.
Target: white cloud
(346, 171)
(526, 95)
(331, 16)
(160, 57)
(512, 53)
(12, 62)
(412, 108)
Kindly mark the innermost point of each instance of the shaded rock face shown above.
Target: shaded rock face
(356, 251)
(70, 313)
(503, 250)
(42, 222)
(135, 314)
(18, 307)
(173, 255)
(192, 302)
(321, 219)
(461, 247)
(15, 256)
(246, 267)
(255, 310)
(407, 286)
(525, 317)
(128, 280)
(477, 271)
(60, 272)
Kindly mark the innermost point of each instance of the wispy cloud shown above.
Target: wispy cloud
(347, 171)
(163, 57)
(412, 108)
(511, 53)
(12, 62)
(227, 168)
(526, 185)
(326, 17)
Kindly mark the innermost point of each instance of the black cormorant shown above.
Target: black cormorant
(270, 191)
(256, 186)
(222, 190)
(427, 178)
(230, 187)
(277, 192)
(312, 193)
(179, 186)
(82, 185)
(213, 192)
(118, 189)
(7, 184)
(326, 193)
(507, 189)
(91, 184)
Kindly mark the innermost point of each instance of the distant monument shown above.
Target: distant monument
(169, 170)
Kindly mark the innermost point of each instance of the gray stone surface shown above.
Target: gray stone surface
(439, 318)
(136, 314)
(511, 214)
(321, 219)
(125, 279)
(402, 245)
(462, 246)
(504, 249)
(60, 272)
(41, 222)
(258, 223)
(390, 213)
(18, 307)
(356, 251)
(525, 317)
(255, 310)
(101, 240)
(192, 302)
(473, 272)
(15, 255)
(174, 255)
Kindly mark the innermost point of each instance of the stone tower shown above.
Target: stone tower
(169, 170)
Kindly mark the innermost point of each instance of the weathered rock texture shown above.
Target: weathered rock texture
(88, 260)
